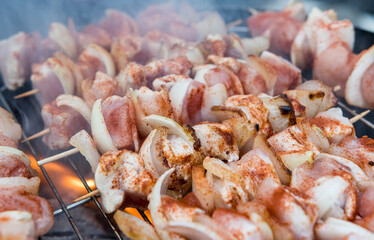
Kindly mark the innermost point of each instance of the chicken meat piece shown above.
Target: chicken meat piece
(102, 86)
(17, 54)
(334, 65)
(10, 131)
(290, 207)
(331, 186)
(254, 109)
(212, 75)
(178, 211)
(119, 117)
(227, 194)
(254, 167)
(282, 26)
(217, 141)
(333, 56)
(334, 125)
(11, 166)
(164, 67)
(213, 44)
(148, 102)
(304, 44)
(129, 49)
(41, 210)
(358, 150)
(180, 155)
(17, 225)
(63, 122)
(251, 75)
(288, 76)
(189, 50)
(118, 24)
(365, 209)
(186, 96)
(123, 181)
(238, 225)
(133, 76)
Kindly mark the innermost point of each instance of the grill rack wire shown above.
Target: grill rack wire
(65, 208)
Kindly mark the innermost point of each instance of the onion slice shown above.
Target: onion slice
(284, 175)
(338, 229)
(151, 151)
(192, 230)
(174, 128)
(134, 227)
(76, 103)
(155, 205)
(63, 74)
(86, 146)
(100, 132)
(353, 93)
(74, 69)
(104, 56)
(221, 170)
(62, 36)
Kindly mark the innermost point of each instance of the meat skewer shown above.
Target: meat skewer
(96, 192)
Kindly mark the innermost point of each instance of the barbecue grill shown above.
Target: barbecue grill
(86, 219)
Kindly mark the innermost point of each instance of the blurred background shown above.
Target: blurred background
(35, 15)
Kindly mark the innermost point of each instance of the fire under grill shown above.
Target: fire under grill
(86, 219)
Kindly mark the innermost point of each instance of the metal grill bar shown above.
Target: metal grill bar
(55, 192)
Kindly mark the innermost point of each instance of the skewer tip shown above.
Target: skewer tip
(90, 194)
(359, 116)
(235, 23)
(26, 94)
(36, 135)
(337, 88)
(58, 156)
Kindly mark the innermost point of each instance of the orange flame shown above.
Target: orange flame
(65, 180)
(70, 185)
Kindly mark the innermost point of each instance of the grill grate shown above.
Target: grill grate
(4, 98)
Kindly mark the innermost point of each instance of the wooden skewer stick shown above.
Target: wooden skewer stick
(58, 156)
(36, 135)
(337, 88)
(90, 194)
(235, 23)
(26, 94)
(359, 116)
(252, 11)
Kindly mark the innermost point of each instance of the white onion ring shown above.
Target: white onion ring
(76, 103)
(100, 132)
